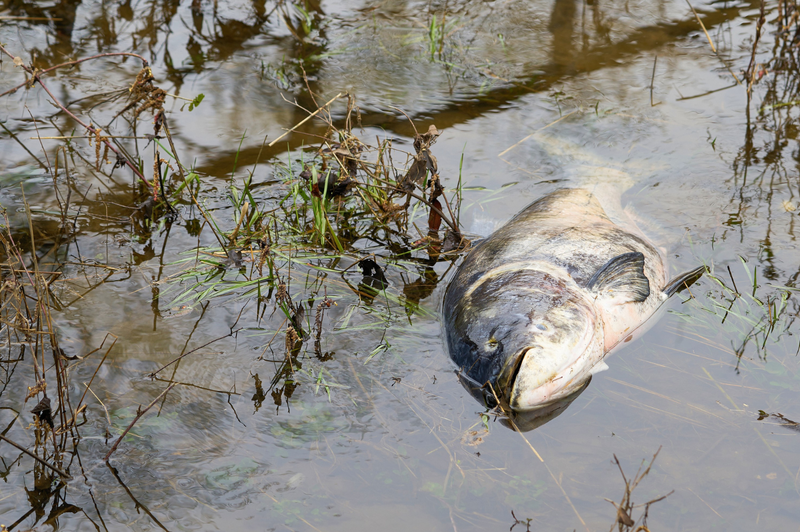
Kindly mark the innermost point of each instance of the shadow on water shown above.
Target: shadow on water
(286, 334)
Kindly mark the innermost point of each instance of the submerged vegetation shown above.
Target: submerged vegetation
(187, 278)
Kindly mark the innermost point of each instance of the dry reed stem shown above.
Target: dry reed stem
(61, 473)
(80, 402)
(168, 364)
(139, 414)
(710, 42)
(306, 119)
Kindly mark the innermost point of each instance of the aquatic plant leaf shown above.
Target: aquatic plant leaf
(622, 276)
(425, 140)
(196, 101)
(624, 518)
(297, 320)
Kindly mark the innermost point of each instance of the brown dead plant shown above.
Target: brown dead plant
(625, 521)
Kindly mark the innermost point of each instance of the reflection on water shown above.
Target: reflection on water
(366, 425)
(527, 421)
(521, 421)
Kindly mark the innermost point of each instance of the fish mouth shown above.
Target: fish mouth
(508, 375)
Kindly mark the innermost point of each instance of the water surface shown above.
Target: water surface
(565, 91)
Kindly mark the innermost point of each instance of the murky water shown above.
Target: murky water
(379, 433)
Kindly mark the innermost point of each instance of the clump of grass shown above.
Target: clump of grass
(761, 314)
(311, 230)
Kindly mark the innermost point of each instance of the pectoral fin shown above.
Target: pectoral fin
(623, 276)
(684, 280)
(600, 366)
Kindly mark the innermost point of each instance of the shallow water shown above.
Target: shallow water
(560, 89)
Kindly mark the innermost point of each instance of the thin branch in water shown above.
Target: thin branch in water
(139, 414)
(306, 119)
(652, 82)
(713, 48)
(100, 364)
(62, 473)
(168, 364)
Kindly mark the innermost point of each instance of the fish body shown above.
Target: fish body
(533, 309)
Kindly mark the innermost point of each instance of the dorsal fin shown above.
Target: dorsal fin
(623, 276)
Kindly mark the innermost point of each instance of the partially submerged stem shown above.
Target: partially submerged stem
(62, 473)
(139, 414)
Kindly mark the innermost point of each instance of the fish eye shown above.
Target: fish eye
(491, 344)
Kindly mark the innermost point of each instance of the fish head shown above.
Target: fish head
(527, 337)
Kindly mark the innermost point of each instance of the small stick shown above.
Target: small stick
(108, 416)
(409, 118)
(682, 98)
(729, 69)
(306, 119)
(185, 99)
(713, 48)
(64, 475)
(99, 365)
(153, 374)
(138, 415)
(652, 81)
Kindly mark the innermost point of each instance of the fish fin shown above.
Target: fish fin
(600, 366)
(684, 280)
(623, 276)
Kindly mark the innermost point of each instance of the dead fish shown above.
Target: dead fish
(533, 309)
